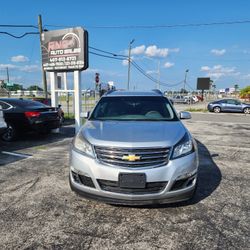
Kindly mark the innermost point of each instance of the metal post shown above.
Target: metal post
(185, 80)
(65, 80)
(40, 26)
(78, 99)
(129, 61)
(8, 77)
(53, 85)
(158, 80)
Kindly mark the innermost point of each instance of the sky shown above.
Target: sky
(221, 52)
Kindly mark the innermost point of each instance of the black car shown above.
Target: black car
(27, 115)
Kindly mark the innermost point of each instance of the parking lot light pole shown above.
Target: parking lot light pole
(185, 79)
(129, 61)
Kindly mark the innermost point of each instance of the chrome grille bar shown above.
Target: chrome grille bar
(147, 156)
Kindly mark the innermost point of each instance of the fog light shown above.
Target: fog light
(75, 177)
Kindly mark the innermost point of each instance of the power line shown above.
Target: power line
(164, 26)
(18, 26)
(97, 54)
(110, 53)
(142, 71)
(152, 78)
(21, 36)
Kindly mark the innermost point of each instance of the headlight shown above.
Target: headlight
(82, 146)
(184, 147)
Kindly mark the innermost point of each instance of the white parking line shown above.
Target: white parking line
(16, 154)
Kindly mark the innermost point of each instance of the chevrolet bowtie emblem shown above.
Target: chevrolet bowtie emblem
(131, 158)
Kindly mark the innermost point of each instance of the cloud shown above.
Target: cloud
(218, 71)
(168, 65)
(29, 68)
(9, 66)
(153, 51)
(19, 58)
(218, 52)
(25, 68)
(138, 50)
(247, 77)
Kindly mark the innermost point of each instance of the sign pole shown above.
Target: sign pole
(78, 99)
(53, 85)
(40, 26)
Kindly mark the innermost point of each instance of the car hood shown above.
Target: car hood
(133, 133)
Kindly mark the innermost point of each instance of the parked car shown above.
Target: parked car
(179, 99)
(134, 150)
(184, 99)
(228, 105)
(191, 99)
(3, 125)
(26, 115)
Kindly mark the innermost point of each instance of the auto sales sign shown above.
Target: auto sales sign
(65, 50)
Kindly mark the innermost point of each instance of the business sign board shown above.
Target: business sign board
(65, 50)
(203, 83)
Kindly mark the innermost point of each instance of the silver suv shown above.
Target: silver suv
(134, 150)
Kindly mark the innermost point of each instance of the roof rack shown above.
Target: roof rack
(157, 91)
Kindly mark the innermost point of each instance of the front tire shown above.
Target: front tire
(217, 109)
(10, 134)
(246, 110)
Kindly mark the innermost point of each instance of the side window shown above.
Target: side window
(223, 101)
(231, 102)
(4, 105)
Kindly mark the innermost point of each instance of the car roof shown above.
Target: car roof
(134, 93)
(18, 101)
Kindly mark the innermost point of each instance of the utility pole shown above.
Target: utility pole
(40, 26)
(7, 72)
(185, 80)
(129, 61)
(158, 80)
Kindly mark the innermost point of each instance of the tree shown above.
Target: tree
(183, 91)
(34, 87)
(12, 87)
(245, 93)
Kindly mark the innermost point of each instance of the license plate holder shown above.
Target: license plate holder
(132, 180)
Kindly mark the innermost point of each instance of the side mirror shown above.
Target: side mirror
(185, 115)
(85, 115)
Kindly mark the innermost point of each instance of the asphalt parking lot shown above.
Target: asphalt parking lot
(39, 211)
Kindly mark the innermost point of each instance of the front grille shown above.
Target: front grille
(113, 186)
(143, 157)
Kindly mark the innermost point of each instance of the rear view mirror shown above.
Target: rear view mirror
(185, 115)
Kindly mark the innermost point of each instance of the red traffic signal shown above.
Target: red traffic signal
(97, 77)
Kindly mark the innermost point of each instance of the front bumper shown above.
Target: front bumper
(182, 170)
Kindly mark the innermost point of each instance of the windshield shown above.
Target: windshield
(130, 108)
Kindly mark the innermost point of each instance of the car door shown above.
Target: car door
(233, 105)
(223, 105)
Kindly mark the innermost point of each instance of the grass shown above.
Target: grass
(196, 110)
